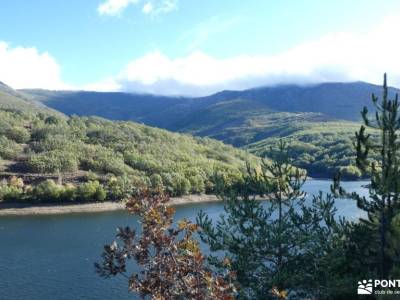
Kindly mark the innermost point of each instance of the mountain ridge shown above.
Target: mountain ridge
(326, 98)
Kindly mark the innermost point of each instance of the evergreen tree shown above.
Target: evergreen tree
(288, 246)
(380, 159)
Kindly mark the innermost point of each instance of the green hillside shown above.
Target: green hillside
(319, 144)
(322, 148)
(94, 158)
(11, 99)
(240, 123)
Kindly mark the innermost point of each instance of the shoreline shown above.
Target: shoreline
(19, 209)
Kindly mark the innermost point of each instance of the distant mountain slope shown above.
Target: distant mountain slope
(240, 122)
(335, 100)
(235, 117)
(11, 99)
(110, 105)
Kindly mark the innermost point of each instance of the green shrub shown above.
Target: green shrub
(350, 172)
(142, 162)
(119, 187)
(53, 161)
(91, 176)
(53, 142)
(68, 193)
(18, 134)
(197, 184)
(178, 184)
(8, 148)
(11, 193)
(47, 191)
(104, 160)
(156, 181)
(51, 120)
(91, 191)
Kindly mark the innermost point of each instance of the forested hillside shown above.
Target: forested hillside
(321, 148)
(91, 158)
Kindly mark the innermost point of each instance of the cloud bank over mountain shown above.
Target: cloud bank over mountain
(343, 56)
(335, 57)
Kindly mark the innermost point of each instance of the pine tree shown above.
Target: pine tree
(379, 157)
(284, 247)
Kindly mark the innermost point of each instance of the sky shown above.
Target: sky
(192, 47)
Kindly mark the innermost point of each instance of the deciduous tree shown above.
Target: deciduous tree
(168, 260)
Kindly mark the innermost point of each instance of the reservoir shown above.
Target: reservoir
(52, 257)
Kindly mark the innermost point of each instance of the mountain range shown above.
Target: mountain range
(335, 100)
(235, 117)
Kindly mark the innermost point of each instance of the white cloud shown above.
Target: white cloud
(114, 7)
(147, 8)
(335, 57)
(22, 67)
(152, 8)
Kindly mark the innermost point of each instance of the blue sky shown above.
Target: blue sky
(193, 47)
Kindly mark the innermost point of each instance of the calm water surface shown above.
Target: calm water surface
(52, 257)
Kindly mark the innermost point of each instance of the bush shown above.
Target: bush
(91, 176)
(18, 134)
(142, 163)
(11, 193)
(52, 142)
(8, 148)
(197, 184)
(181, 185)
(47, 191)
(91, 191)
(68, 193)
(105, 161)
(156, 181)
(53, 161)
(119, 187)
(350, 172)
(51, 120)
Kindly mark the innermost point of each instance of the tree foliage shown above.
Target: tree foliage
(383, 204)
(169, 263)
(289, 246)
